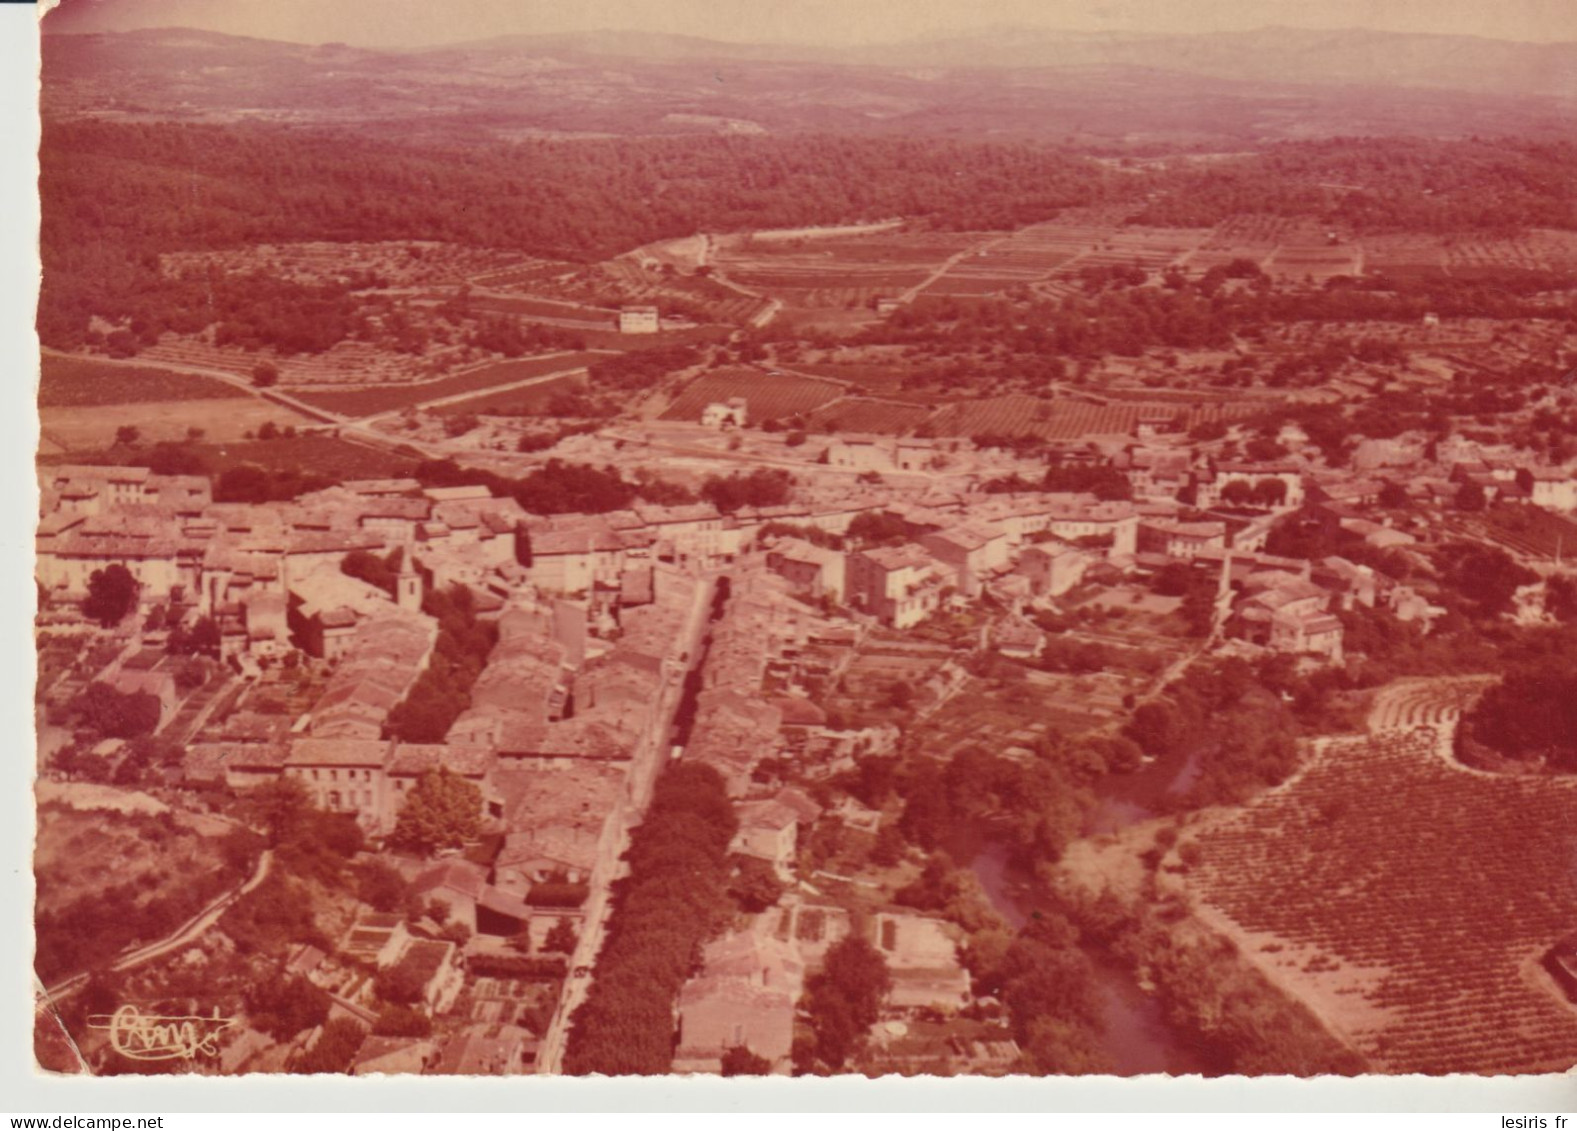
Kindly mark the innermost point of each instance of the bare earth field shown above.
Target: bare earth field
(220, 420)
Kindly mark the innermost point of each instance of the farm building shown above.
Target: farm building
(726, 414)
(881, 453)
(1552, 489)
(1155, 420)
(638, 320)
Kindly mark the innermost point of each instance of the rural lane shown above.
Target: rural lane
(241, 383)
(183, 935)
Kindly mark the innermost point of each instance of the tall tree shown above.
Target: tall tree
(844, 1000)
(443, 810)
(112, 593)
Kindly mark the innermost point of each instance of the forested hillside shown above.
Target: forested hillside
(1399, 184)
(115, 197)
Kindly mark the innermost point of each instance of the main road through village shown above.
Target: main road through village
(646, 763)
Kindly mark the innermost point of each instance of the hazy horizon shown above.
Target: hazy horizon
(823, 23)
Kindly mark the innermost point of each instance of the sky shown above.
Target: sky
(417, 23)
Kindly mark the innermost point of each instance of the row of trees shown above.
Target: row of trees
(674, 897)
(556, 487)
(443, 691)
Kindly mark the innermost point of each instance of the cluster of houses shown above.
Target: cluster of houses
(594, 616)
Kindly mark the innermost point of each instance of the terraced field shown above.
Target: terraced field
(1408, 704)
(769, 396)
(1412, 903)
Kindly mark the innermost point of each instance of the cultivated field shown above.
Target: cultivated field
(1526, 530)
(392, 398)
(1017, 414)
(822, 271)
(515, 402)
(75, 429)
(1043, 706)
(72, 382)
(348, 363)
(769, 397)
(863, 414)
(1412, 903)
(323, 455)
(1036, 256)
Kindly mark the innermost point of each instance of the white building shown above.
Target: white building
(638, 320)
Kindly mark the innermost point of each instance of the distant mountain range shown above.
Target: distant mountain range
(1083, 87)
(1274, 54)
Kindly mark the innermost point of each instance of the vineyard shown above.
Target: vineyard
(1412, 903)
(1080, 238)
(1018, 414)
(1525, 530)
(865, 414)
(520, 275)
(871, 378)
(1315, 261)
(531, 400)
(769, 396)
(392, 398)
(73, 382)
(529, 307)
(624, 281)
(1407, 704)
(839, 272)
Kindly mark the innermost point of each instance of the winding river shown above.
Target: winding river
(1137, 1036)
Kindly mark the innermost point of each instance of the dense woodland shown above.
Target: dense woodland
(118, 196)
(1398, 184)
